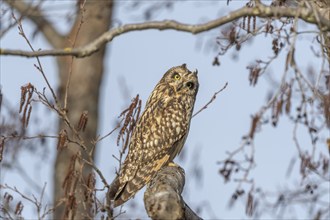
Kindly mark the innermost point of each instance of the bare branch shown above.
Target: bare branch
(260, 11)
(36, 16)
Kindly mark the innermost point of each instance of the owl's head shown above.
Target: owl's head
(182, 80)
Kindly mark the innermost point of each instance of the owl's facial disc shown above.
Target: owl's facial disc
(185, 83)
(182, 80)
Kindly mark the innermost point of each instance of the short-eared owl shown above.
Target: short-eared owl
(160, 133)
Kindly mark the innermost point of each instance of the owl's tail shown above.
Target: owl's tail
(113, 188)
(119, 194)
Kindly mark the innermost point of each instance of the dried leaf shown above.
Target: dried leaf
(130, 115)
(8, 198)
(288, 101)
(28, 116)
(25, 103)
(62, 140)
(249, 208)
(227, 169)
(70, 207)
(326, 106)
(83, 121)
(22, 100)
(71, 179)
(248, 24)
(19, 208)
(2, 147)
(235, 196)
(89, 191)
(254, 73)
(216, 61)
(254, 124)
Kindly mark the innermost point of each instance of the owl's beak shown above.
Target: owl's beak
(179, 87)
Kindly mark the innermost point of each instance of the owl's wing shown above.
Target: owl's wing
(159, 136)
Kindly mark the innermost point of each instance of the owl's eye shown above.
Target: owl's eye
(190, 85)
(176, 76)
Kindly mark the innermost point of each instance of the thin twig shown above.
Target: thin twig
(33, 11)
(104, 181)
(105, 136)
(211, 100)
(14, 189)
(39, 67)
(82, 5)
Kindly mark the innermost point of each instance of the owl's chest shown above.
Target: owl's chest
(165, 120)
(172, 113)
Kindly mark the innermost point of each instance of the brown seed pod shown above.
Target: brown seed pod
(83, 121)
(62, 139)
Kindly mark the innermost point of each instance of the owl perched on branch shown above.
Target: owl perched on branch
(160, 133)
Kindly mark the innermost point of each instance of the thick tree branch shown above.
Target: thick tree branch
(36, 16)
(260, 10)
(163, 199)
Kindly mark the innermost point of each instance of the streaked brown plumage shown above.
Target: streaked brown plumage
(160, 133)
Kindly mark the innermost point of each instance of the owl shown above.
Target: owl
(160, 132)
